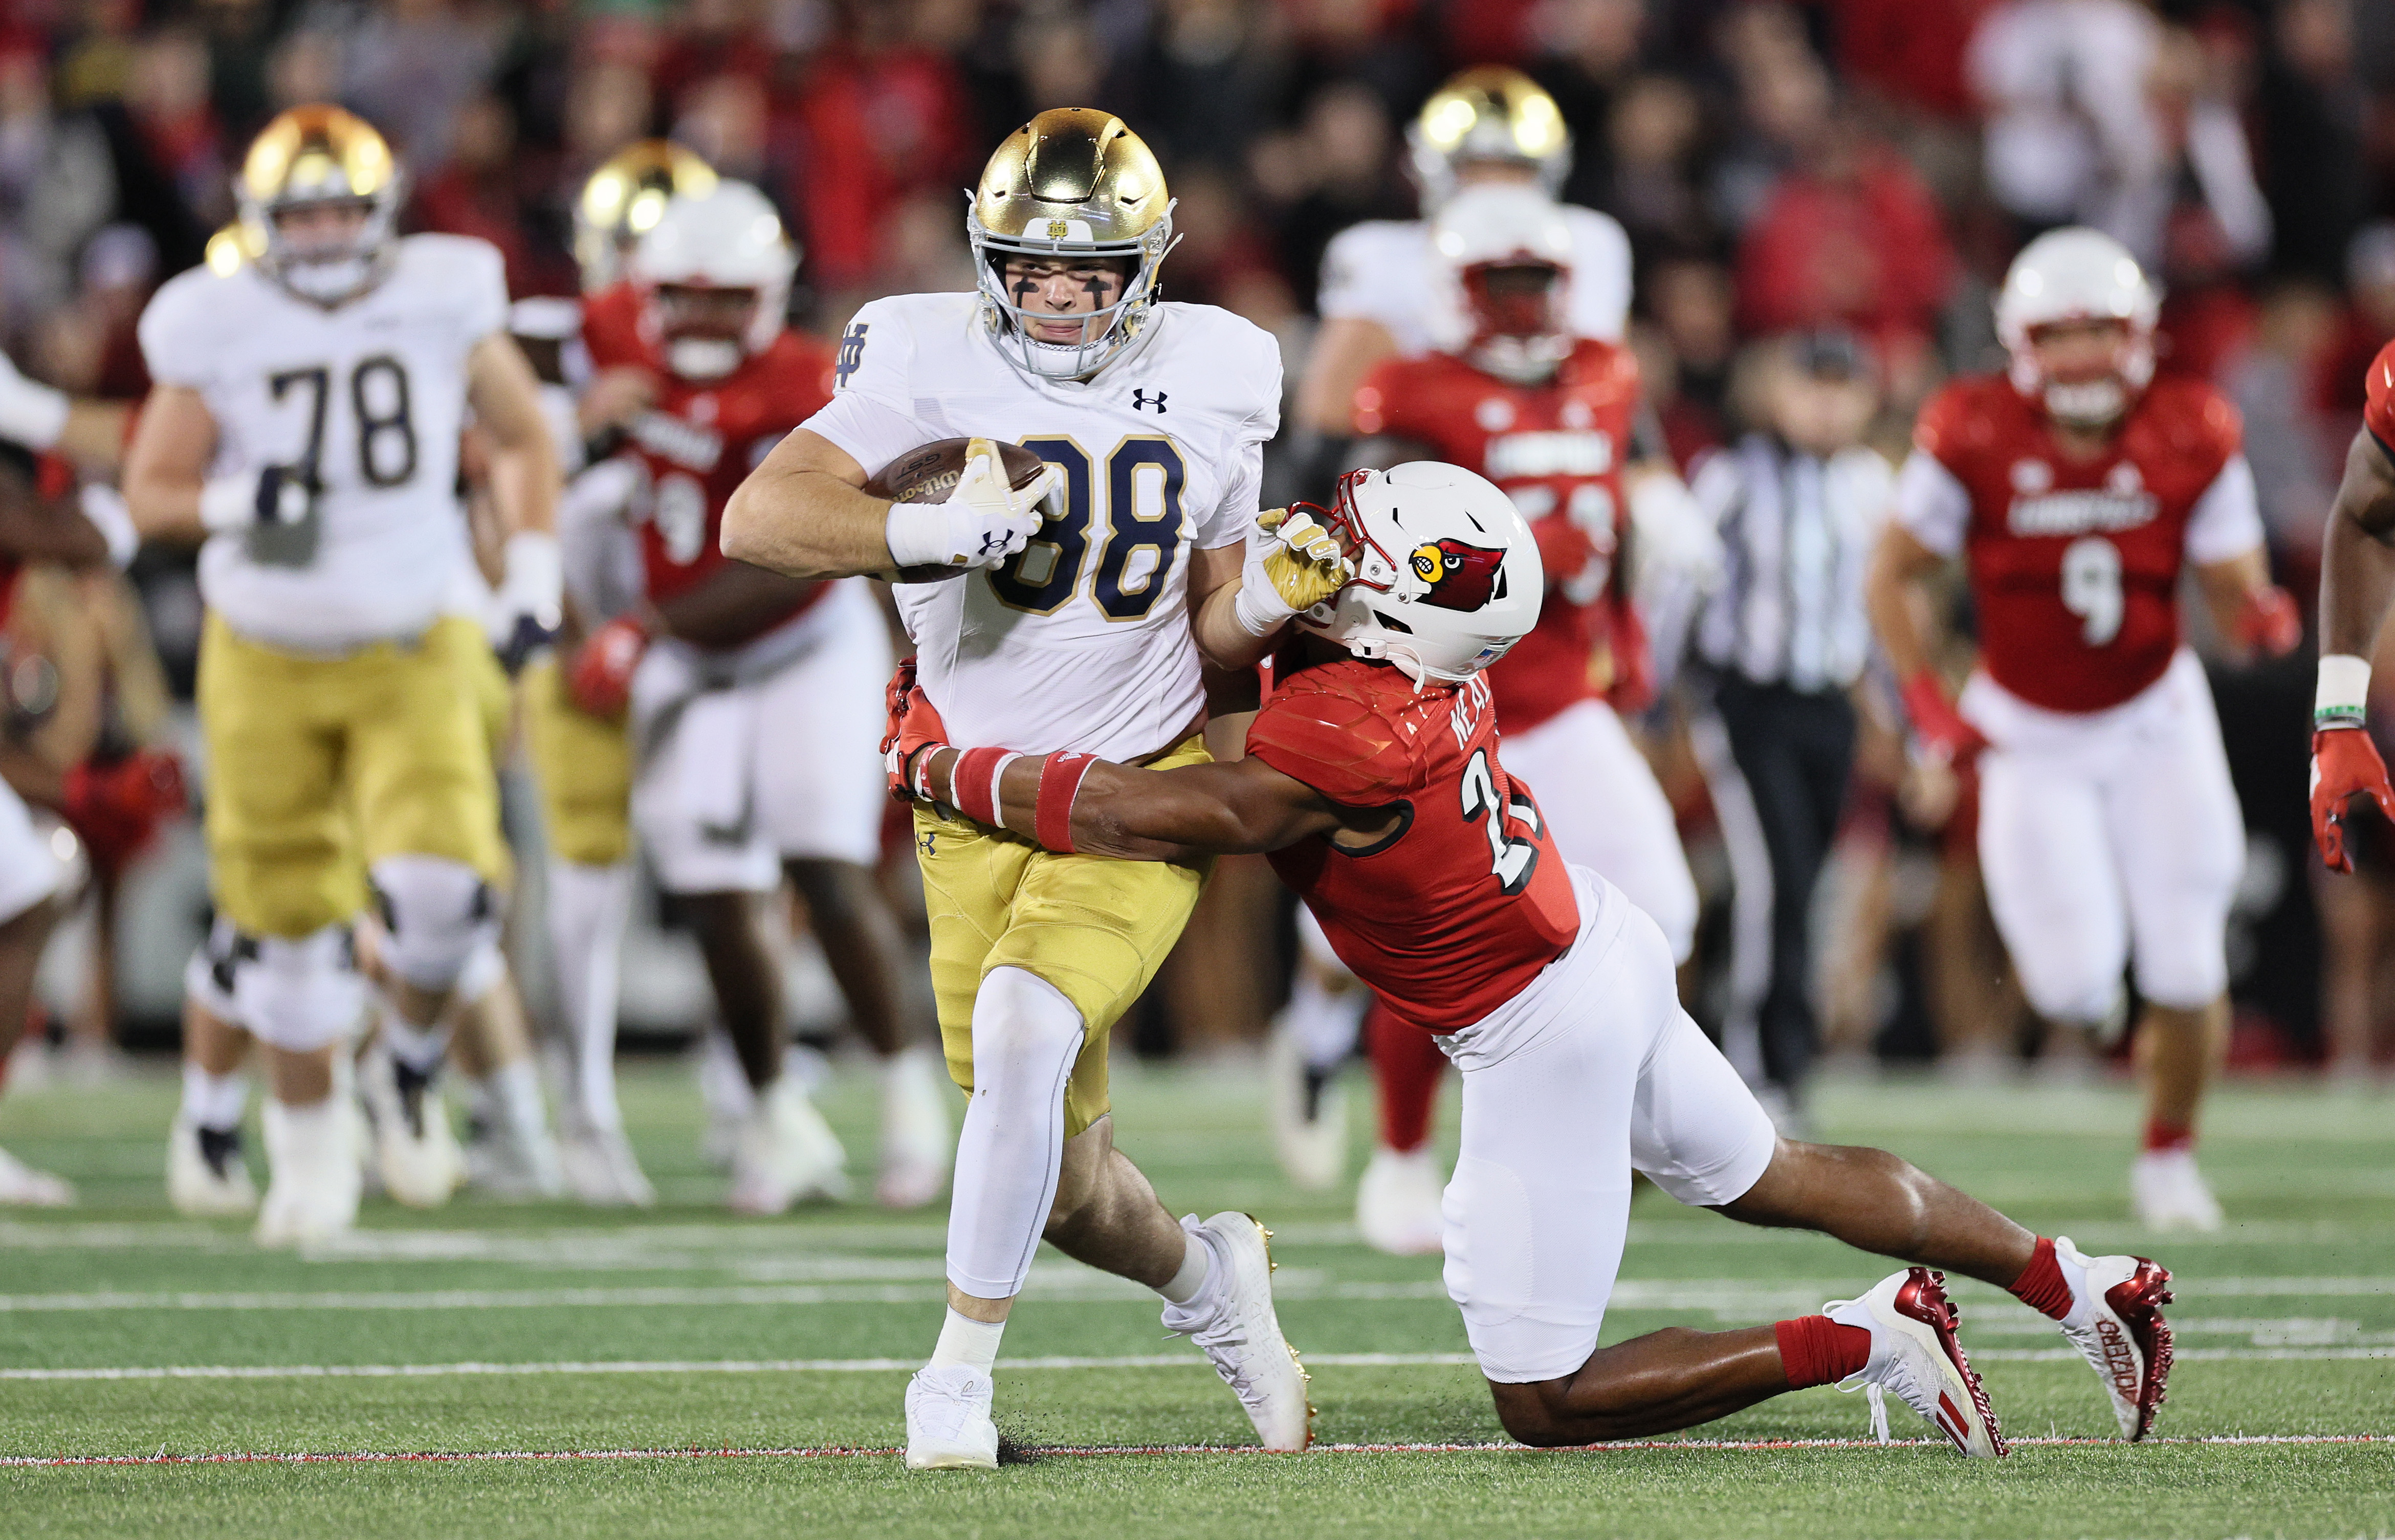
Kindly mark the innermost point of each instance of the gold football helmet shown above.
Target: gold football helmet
(1072, 182)
(1487, 113)
(623, 199)
(313, 156)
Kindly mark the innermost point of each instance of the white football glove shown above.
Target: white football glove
(1296, 566)
(31, 414)
(983, 520)
(1674, 545)
(530, 602)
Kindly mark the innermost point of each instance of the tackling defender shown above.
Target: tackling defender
(306, 426)
(2357, 580)
(2078, 487)
(1373, 781)
(1075, 610)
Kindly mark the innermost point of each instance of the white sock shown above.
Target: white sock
(1325, 1023)
(969, 1342)
(587, 908)
(514, 1092)
(213, 1101)
(1197, 1264)
(420, 1048)
(722, 1082)
(1026, 1037)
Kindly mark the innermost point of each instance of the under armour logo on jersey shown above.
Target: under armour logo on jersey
(1139, 402)
(851, 354)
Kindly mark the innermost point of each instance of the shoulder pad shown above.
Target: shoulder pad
(1335, 741)
(1955, 420)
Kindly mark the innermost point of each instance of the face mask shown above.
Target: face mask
(2086, 403)
(703, 357)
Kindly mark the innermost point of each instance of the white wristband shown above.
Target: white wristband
(229, 502)
(2343, 693)
(106, 510)
(1260, 614)
(32, 414)
(535, 581)
(917, 537)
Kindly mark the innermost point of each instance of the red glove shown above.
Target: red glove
(116, 807)
(1633, 689)
(601, 680)
(2269, 622)
(2344, 765)
(914, 728)
(1940, 727)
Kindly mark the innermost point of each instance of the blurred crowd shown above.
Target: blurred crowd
(1867, 163)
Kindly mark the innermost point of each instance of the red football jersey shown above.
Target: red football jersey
(2378, 414)
(1456, 912)
(1556, 450)
(2075, 564)
(701, 439)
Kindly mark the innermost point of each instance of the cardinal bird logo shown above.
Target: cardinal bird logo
(1460, 576)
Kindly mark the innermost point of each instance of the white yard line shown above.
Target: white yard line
(1090, 1451)
(887, 1366)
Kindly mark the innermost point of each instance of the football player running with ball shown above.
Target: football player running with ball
(1373, 779)
(306, 426)
(2078, 488)
(1075, 610)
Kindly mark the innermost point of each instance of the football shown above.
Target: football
(929, 473)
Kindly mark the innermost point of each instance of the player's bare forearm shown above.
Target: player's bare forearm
(34, 529)
(1213, 616)
(94, 434)
(173, 445)
(525, 475)
(733, 604)
(1892, 596)
(2358, 552)
(1181, 815)
(802, 514)
(2230, 586)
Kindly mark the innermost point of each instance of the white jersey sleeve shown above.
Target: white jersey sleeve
(1932, 504)
(1600, 282)
(2226, 521)
(872, 413)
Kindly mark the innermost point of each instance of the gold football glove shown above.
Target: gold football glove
(1298, 568)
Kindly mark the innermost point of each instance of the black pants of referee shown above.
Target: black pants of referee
(1777, 759)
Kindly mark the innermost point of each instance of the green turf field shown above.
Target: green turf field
(781, 1349)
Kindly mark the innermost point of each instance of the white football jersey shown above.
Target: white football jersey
(1384, 271)
(372, 394)
(1082, 640)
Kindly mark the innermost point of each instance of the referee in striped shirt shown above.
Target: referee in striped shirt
(1776, 650)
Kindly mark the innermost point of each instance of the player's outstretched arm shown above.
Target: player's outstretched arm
(1097, 808)
(90, 433)
(802, 514)
(525, 480)
(35, 529)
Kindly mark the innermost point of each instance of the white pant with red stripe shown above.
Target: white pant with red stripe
(2108, 838)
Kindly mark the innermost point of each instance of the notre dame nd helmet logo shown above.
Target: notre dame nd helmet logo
(1460, 576)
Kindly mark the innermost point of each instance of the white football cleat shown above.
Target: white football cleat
(23, 1187)
(919, 1141)
(1309, 1115)
(948, 1419)
(2116, 1319)
(415, 1148)
(723, 1090)
(1914, 1357)
(601, 1170)
(1397, 1203)
(207, 1177)
(313, 1181)
(785, 1153)
(2166, 1192)
(1232, 1317)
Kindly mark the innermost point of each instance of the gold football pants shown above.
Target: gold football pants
(1096, 929)
(584, 766)
(319, 768)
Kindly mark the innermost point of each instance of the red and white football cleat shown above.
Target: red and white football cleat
(2116, 1319)
(1915, 1357)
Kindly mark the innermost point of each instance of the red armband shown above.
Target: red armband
(973, 783)
(1059, 782)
